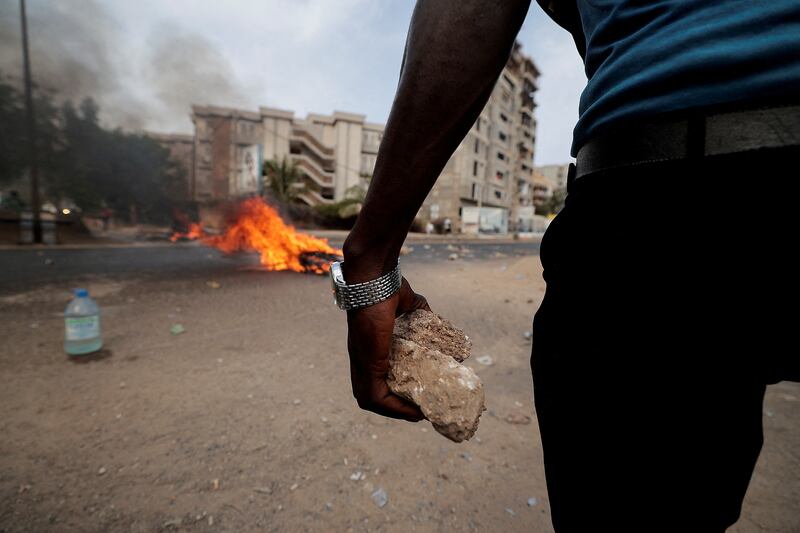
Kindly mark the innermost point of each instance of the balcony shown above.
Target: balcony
(305, 137)
(310, 168)
(312, 198)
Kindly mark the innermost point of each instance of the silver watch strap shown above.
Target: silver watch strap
(364, 294)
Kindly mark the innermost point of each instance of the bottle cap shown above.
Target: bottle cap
(81, 293)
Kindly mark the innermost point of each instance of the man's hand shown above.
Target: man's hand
(454, 55)
(369, 339)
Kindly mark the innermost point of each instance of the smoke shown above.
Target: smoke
(181, 64)
(76, 52)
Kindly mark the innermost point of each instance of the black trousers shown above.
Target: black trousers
(661, 325)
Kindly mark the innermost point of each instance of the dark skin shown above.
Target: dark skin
(455, 52)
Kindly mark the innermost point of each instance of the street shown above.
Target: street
(245, 421)
(27, 267)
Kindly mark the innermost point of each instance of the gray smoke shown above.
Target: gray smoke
(76, 52)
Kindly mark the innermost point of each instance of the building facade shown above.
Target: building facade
(487, 185)
(181, 153)
(334, 153)
(557, 174)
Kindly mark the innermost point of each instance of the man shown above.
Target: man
(657, 335)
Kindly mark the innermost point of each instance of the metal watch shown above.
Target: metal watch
(364, 294)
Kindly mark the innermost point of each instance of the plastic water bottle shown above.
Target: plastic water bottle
(82, 321)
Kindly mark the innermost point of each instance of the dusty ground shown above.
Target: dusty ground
(245, 422)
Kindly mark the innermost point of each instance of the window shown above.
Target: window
(502, 136)
(478, 125)
(501, 156)
(474, 168)
(498, 194)
(477, 145)
(499, 175)
(474, 191)
(503, 117)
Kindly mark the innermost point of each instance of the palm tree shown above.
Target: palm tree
(284, 179)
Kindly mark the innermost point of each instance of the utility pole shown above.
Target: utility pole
(33, 168)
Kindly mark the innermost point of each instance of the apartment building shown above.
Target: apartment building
(543, 189)
(557, 174)
(334, 153)
(487, 185)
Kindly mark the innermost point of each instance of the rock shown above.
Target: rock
(452, 257)
(405, 250)
(101, 471)
(433, 332)
(531, 502)
(425, 368)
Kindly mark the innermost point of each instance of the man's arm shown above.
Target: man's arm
(455, 51)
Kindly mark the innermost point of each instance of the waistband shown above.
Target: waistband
(689, 135)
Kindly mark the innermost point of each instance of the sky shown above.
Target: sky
(147, 61)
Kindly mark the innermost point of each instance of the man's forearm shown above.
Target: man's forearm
(454, 54)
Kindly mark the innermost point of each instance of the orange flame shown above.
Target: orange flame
(259, 228)
(195, 232)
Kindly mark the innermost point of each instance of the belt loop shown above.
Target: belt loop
(696, 136)
(570, 177)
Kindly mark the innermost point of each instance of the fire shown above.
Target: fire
(195, 232)
(259, 228)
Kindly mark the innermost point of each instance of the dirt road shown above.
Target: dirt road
(246, 422)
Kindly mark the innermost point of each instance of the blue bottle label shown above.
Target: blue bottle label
(82, 328)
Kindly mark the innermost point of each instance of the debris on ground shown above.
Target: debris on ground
(532, 502)
(485, 360)
(528, 335)
(176, 329)
(516, 418)
(452, 257)
(405, 250)
(357, 476)
(511, 511)
(380, 497)
(213, 284)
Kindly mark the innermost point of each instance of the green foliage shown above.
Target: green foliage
(554, 204)
(84, 162)
(284, 179)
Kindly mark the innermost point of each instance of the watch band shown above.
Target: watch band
(364, 294)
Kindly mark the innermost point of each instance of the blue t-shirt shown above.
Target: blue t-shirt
(645, 57)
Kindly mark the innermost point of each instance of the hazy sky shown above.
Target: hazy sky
(146, 61)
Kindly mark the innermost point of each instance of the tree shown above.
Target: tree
(285, 180)
(554, 203)
(83, 162)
